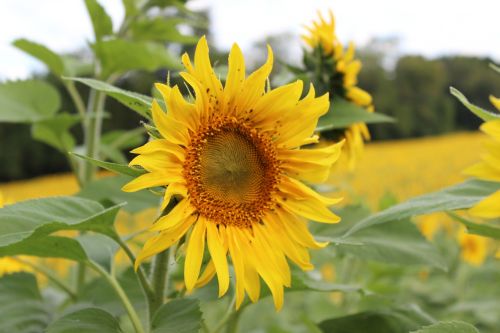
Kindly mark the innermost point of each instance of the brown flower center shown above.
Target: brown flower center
(231, 172)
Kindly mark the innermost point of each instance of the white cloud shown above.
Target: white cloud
(429, 27)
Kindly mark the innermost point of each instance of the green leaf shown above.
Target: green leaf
(109, 189)
(377, 321)
(303, 282)
(119, 55)
(137, 102)
(448, 327)
(99, 248)
(178, 316)
(115, 167)
(161, 29)
(478, 111)
(103, 26)
(51, 59)
(21, 305)
(460, 196)
(397, 242)
(27, 101)
(486, 230)
(343, 113)
(88, 320)
(55, 131)
(495, 68)
(26, 227)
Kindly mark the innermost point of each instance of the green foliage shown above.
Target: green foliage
(103, 26)
(383, 321)
(21, 305)
(478, 111)
(26, 227)
(115, 167)
(460, 196)
(162, 30)
(119, 55)
(51, 59)
(178, 316)
(448, 327)
(108, 190)
(55, 131)
(27, 101)
(343, 113)
(488, 230)
(88, 320)
(137, 102)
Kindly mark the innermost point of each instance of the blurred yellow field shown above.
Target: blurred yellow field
(404, 168)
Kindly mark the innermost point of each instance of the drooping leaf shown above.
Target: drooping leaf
(178, 316)
(343, 113)
(51, 59)
(478, 111)
(110, 189)
(55, 131)
(161, 29)
(89, 320)
(115, 167)
(103, 26)
(397, 242)
(481, 229)
(137, 102)
(460, 196)
(26, 227)
(448, 327)
(376, 321)
(27, 101)
(119, 55)
(21, 305)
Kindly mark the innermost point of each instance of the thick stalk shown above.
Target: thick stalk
(159, 278)
(136, 322)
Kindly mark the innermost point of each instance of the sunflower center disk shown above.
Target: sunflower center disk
(231, 172)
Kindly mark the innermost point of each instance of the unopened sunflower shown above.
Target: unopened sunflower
(339, 75)
(488, 169)
(233, 161)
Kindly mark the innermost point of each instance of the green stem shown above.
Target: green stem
(159, 279)
(51, 276)
(136, 322)
(148, 290)
(227, 316)
(75, 96)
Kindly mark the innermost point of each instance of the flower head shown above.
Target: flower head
(232, 159)
(488, 169)
(343, 69)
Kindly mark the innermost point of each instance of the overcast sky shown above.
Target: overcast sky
(428, 27)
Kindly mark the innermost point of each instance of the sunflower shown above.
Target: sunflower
(232, 161)
(488, 169)
(473, 248)
(342, 80)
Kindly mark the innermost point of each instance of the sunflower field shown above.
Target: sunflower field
(242, 198)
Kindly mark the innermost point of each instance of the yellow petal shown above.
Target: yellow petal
(495, 101)
(177, 106)
(218, 253)
(492, 128)
(300, 191)
(171, 129)
(194, 254)
(235, 75)
(359, 96)
(238, 264)
(309, 208)
(207, 275)
(160, 145)
(483, 171)
(149, 180)
(179, 213)
(297, 229)
(488, 208)
(164, 240)
(173, 189)
(252, 282)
